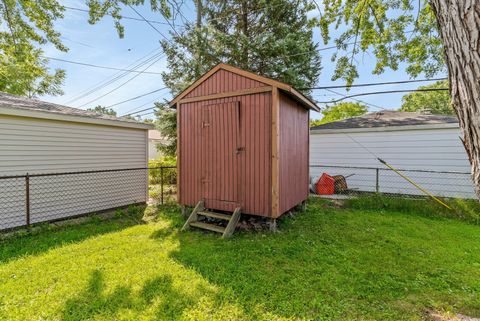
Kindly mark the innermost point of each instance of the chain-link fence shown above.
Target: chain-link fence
(28, 199)
(351, 180)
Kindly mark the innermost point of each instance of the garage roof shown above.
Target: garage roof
(388, 118)
(27, 107)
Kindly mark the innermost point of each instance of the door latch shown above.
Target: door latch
(240, 149)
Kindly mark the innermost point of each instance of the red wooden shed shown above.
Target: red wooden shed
(243, 143)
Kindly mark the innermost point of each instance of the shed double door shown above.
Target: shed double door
(221, 155)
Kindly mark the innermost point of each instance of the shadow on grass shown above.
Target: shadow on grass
(93, 302)
(337, 264)
(49, 236)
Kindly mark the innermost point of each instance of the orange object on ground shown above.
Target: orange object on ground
(325, 185)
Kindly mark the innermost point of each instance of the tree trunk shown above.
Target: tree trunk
(245, 32)
(199, 14)
(198, 26)
(459, 26)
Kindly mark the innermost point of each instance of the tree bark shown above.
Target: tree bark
(199, 13)
(245, 31)
(459, 26)
(198, 26)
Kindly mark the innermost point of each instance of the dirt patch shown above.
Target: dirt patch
(443, 316)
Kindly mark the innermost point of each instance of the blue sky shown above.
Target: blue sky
(99, 44)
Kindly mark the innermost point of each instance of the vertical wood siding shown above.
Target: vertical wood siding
(220, 175)
(45, 146)
(293, 154)
(254, 161)
(223, 81)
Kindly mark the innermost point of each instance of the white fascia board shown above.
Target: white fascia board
(72, 118)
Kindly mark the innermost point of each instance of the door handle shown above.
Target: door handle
(240, 149)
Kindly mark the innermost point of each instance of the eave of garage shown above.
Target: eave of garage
(384, 129)
(40, 114)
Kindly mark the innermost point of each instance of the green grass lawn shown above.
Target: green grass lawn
(324, 264)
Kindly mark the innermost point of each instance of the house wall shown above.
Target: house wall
(293, 154)
(254, 178)
(153, 152)
(426, 149)
(33, 146)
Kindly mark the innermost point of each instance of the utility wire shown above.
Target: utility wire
(138, 107)
(145, 114)
(357, 100)
(121, 16)
(158, 31)
(109, 80)
(376, 83)
(102, 67)
(124, 83)
(139, 111)
(139, 96)
(381, 92)
(151, 25)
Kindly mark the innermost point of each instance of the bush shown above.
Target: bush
(169, 174)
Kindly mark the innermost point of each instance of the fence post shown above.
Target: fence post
(377, 180)
(161, 183)
(27, 199)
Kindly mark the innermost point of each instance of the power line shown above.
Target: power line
(145, 114)
(381, 92)
(149, 102)
(377, 83)
(357, 100)
(139, 96)
(109, 80)
(124, 83)
(139, 111)
(102, 67)
(151, 25)
(168, 40)
(121, 16)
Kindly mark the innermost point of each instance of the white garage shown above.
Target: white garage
(77, 161)
(426, 147)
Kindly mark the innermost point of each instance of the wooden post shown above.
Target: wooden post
(274, 152)
(377, 181)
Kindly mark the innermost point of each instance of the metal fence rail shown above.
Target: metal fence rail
(384, 180)
(33, 198)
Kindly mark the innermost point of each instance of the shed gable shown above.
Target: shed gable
(223, 81)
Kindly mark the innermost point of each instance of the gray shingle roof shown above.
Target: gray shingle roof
(388, 118)
(13, 101)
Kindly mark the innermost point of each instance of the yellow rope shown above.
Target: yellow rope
(414, 184)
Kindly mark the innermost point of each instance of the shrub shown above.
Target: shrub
(169, 174)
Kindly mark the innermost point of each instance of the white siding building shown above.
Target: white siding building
(154, 139)
(39, 137)
(427, 147)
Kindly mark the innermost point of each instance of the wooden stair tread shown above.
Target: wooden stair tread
(210, 227)
(220, 216)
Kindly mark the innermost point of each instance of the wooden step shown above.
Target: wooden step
(220, 216)
(210, 227)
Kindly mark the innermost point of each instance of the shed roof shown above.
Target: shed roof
(304, 100)
(388, 118)
(28, 107)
